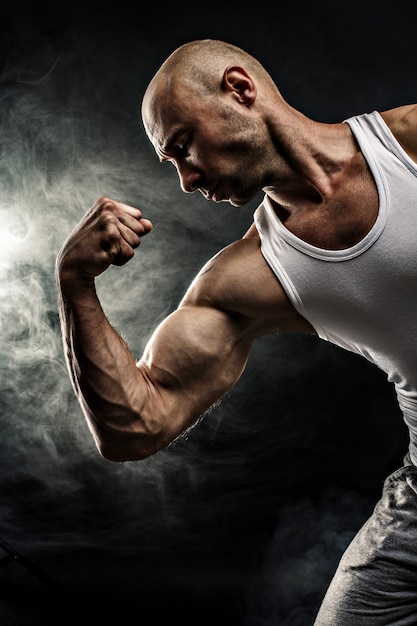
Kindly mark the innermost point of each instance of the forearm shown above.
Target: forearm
(95, 353)
(108, 385)
(101, 367)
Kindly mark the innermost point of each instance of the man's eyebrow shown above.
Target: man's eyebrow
(169, 142)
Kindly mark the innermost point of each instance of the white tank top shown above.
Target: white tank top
(363, 298)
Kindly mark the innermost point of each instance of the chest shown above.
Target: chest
(340, 219)
(337, 224)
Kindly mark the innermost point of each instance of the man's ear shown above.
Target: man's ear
(240, 84)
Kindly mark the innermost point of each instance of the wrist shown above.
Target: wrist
(71, 281)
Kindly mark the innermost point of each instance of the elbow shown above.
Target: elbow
(130, 437)
(109, 453)
(115, 455)
(119, 447)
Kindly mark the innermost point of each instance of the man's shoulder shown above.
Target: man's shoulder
(402, 122)
(238, 280)
(232, 277)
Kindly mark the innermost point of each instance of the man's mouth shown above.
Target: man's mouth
(205, 193)
(211, 194)
(214, 195)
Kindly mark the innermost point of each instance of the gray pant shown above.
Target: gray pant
(376, 581)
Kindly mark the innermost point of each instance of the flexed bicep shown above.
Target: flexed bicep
(200, 351)
(192, 360)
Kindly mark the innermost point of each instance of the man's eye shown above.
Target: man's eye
(183, 148)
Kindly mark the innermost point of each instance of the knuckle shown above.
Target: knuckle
(107, 222)
(105, 202)
(104, 206)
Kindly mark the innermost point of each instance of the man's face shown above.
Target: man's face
(214, 144)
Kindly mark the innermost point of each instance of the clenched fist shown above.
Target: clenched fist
(107, 235)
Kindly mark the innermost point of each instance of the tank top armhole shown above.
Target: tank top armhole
(280, 273)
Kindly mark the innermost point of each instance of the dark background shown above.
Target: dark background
(243, 522)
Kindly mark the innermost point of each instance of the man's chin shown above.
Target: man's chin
(238, 201)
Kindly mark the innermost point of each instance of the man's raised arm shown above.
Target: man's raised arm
(193, 358)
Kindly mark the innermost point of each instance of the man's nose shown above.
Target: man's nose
(189, 178)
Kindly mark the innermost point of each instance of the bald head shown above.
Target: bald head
(199, 67)
(202, 62)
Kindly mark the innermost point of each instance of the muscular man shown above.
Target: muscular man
(331, 251)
